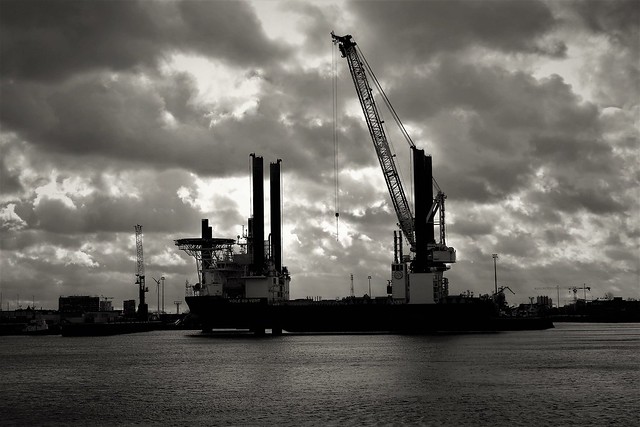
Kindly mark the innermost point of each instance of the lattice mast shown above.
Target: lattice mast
(140, 279)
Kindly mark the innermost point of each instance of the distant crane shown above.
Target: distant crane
(499, 297)
(177, 303)
(574, 289)
(502, 288)
(143, 309)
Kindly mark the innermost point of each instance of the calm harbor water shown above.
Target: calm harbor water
(575, 374)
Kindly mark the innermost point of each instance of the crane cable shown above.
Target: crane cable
(334, 73)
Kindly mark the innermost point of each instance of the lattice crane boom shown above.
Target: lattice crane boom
(140, 280)
(357, 69)
(139, 255)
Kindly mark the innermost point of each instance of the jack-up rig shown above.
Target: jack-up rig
(418, 279)
(235, 287)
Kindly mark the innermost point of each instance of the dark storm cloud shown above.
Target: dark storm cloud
(96, 115)
(49, 40)
(515, 125)
(617, 19)
(472, 225)
(315, 24)
(58, 92)
(125, 119)
(413, 30)
(616, 69)
(519, 244)
(287, 125)
(9, 181)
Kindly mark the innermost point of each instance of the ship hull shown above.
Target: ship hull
(472, 315)
(221, 313)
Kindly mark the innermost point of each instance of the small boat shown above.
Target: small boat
(36, 327)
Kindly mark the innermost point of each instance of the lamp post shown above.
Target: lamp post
(369, 277)
(495, 272)
(162, 279)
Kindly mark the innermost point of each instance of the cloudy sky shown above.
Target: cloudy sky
(121, 113)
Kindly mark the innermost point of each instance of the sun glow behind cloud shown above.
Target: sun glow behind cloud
(63, 190)
(230, 91)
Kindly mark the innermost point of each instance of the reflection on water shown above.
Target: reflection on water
(575, 374)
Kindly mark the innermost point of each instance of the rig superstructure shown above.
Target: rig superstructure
(245, 271)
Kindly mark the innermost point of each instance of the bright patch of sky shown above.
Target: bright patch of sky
(63, 189)
(569, 69)
(16, 161)
(119, 185)
(276, 20)
(58, 255)
(168, 257)
(370, 174)
(205, 190)
(168, 120)
(10, 219)
(234, 91)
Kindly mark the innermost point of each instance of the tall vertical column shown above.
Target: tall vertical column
(206, 233)
(395, 247)
(428, 188)
(276, 214)
(420, 196)
(423, 196)
(258, 214)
